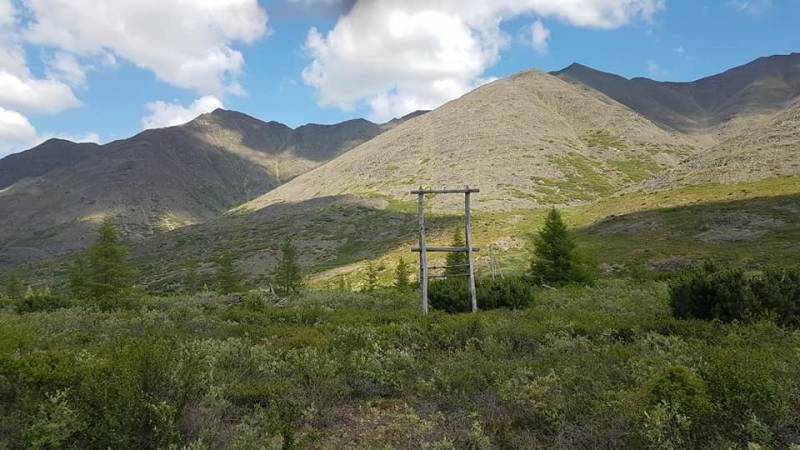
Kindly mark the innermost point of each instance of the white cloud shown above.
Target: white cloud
(166, 114)
(186, 43)
(752, 7)
(7, 13)
(34, 95)
(65, 66)
(540, 36)
(653, 68)
(20, 91)
(679, 50)
(396, 56)
(16, 132)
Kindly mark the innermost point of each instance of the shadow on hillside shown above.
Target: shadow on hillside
(329, 232)
(761, 230)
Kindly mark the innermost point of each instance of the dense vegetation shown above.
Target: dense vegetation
(594, 366)
(707, 358)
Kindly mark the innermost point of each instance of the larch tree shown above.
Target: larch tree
(288, 275)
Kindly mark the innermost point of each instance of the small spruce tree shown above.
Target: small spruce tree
(103, 273)
(402, 275)
(371, 280)
(343, 283)
(229, 279)
(555, 259)
(456, 261)
(288, 275)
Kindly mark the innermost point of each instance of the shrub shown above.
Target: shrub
(452, 295)
(779, 291)
(511, 293)
(706, 292)
(40, 301)
(679, 387)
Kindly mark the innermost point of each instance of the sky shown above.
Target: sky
(90, 70)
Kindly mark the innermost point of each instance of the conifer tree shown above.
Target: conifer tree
(402, 275)
(555, 260)
(103, 273)
(343, 283)
(229, 279)
(371, 281)
(456, 262)
(288, 275)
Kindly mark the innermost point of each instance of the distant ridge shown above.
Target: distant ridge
(159, 179)
(763, 86)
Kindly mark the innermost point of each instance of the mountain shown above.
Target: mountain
(769, 150)
(160, 179)
(528, 140)
(43, 158)
(761, 87)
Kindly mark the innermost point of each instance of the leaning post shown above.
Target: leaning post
(423, 256)
(468, 241)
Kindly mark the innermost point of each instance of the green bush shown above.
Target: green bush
(452, 295)
(682, 389)
(40, 301)
(707, 292)
(511, 293)
(779, 292)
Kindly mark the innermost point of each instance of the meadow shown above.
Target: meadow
(603, 366)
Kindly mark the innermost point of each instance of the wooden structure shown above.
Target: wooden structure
(423, 250)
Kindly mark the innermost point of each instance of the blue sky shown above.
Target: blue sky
(324, 61)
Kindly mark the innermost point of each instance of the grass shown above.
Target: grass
(338, 369)
(605, 140)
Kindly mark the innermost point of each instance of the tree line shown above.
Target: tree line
(103, 274)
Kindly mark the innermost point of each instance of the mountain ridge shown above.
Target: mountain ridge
(762, 86)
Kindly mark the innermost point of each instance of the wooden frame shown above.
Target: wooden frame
(423, 250)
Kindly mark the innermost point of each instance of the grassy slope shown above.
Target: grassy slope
(576, 370)
(645, 229)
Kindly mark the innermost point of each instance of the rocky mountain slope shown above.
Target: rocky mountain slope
(54, 194)
(45, 157)
(771, 149)
(751, 91)
(528, 140)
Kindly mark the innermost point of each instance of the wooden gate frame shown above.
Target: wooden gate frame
(423, 250)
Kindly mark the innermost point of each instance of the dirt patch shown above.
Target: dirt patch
(738, 227)
(614, 226)
(670, 264)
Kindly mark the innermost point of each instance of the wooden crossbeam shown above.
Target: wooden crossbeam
(446, 191)
(446, 249)
(448, 267)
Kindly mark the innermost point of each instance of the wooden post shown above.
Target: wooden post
(468, 241)
(423, 257)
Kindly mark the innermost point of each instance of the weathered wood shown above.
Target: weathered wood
(423, 249)
(447, 267)
(445, 191)
(446, 249)
(423, 256)
(468, 243)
